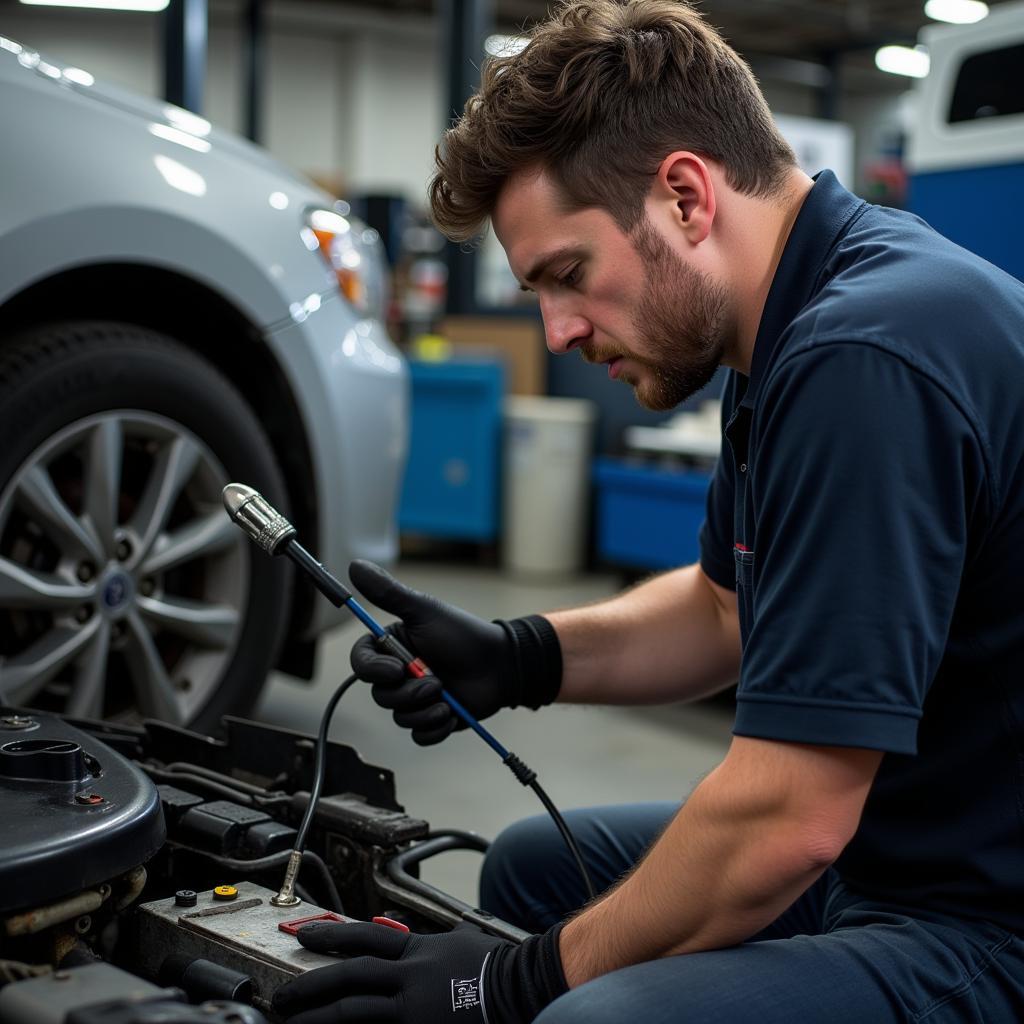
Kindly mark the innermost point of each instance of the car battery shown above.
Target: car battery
(236, 927)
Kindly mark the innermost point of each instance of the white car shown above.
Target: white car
(177, 310)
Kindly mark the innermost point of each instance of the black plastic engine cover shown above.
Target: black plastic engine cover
(76, 813)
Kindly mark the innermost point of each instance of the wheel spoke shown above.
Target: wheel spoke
(103, 480)
(198, 539)
(86, 699)
(172, 469)
(36, 490)
(154, 690)
(209, 625)
(25, 588)
(24, 675)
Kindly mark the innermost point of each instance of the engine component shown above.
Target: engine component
(242, 935)
(84, 815)
(203, 979)
(167, 1011)
(102, 994)
(350, 815)
(86, 803)
(221, 826)
(49, 1000)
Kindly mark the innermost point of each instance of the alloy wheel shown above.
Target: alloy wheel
(123, 583)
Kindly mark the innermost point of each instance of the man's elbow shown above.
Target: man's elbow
(823, 839)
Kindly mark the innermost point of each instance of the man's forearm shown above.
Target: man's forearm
(675, 637)
(741, 850)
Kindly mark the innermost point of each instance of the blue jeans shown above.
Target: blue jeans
(833, 957)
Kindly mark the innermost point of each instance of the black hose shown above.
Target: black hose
(525, 775)
(221, 790)
(570, 842)
(259, 792)
(326, 881)
(321, 761)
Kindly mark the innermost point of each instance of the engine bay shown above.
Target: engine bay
(138, 867)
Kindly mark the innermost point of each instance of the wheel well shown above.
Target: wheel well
(207, 323)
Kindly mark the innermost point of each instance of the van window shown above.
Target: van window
(989, 84)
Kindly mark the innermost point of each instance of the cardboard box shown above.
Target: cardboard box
(519, 341)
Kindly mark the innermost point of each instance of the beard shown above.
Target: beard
(680, 324)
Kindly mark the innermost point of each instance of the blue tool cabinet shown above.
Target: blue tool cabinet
(648, 517)
(452, 480)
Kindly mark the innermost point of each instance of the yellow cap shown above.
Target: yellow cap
(225, 892)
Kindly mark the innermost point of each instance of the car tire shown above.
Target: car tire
(125, 591)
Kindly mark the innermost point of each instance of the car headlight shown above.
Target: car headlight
(355, 254)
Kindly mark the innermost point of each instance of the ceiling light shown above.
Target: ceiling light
(103, 5)
(902, 60)
(956, 12)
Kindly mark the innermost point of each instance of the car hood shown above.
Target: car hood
(155, 112)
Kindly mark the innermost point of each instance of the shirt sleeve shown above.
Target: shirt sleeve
(864, 482)
(716, 539)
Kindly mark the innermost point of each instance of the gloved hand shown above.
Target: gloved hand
(485, 666)
(401, 978)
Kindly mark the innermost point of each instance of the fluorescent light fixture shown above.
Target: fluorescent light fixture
(956, 12)
(902, 60)
(103, 5)
(178, 176)
(504, 46)
(169, 134)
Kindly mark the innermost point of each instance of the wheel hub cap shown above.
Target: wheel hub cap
(116, 594)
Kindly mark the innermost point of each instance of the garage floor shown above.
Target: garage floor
(583, 756)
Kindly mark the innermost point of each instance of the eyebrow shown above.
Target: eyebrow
(542, 264)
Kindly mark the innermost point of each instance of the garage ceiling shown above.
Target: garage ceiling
(787, 40)
(799, 28)
(793, 28)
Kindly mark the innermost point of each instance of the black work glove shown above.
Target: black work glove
(485, 666)
(398, 977)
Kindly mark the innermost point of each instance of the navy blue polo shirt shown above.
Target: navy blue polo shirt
(868, 508)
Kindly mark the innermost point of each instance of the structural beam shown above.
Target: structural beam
(465, 24)
(254, 42)
(185, 31)
(830, 93)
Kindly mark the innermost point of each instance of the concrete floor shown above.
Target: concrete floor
(583, 756)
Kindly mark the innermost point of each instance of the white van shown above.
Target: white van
(966, 151)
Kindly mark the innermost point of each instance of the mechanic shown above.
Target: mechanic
(858, 856)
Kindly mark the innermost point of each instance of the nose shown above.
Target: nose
(563, 329)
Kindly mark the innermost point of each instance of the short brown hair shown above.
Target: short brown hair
(605, 90)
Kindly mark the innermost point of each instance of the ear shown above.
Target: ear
(683, 179)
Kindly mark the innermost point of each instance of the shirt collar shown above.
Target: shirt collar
(822, 219)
